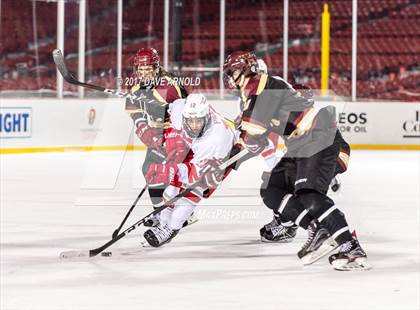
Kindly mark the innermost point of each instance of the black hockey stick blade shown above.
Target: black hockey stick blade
(69, 77)
(61, 66)
(64, 71)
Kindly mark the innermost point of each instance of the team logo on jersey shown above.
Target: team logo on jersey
(412, 127)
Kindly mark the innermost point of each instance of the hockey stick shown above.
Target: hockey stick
(115, 233)
(159, 208)
(68, 76)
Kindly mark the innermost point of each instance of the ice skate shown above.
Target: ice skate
(275, 231)
(317, 245)
(350, 256)
(159, 235)
(191, 220)
(152, 221)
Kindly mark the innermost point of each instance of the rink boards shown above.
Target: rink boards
(39, 125)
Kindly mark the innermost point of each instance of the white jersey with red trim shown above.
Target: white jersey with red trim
(215, 143)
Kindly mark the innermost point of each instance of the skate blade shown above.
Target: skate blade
(358, 264)
(189, 222)
(288, 240)
(327, 247)
(192, 221)
(74, 254)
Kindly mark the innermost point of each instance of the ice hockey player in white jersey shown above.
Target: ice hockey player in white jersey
(209, 140)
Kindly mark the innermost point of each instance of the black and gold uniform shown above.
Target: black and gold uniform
(151, 111)
(297, 186)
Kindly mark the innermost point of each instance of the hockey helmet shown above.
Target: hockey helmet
(237, 67)
(196, 115)
(146, 64)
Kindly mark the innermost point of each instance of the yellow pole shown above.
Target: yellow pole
(325, 51)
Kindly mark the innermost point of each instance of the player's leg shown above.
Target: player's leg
(155, 193)
(173, 218)
(350, 255)
(277, 194)
(314, 175)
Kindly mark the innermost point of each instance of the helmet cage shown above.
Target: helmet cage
(146, 57)
(192, 133)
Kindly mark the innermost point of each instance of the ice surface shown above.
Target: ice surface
(51, 203)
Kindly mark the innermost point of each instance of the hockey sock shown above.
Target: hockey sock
(323, 209)
(292, 209)
(155, 195)
(272, 198)
(181, 212)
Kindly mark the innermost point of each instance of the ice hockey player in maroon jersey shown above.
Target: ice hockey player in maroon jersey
(157, 89)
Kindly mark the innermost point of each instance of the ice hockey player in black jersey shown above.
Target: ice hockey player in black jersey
(298, 184)
(280, 229)
(158, 89)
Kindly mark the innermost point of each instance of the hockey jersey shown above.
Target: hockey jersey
(152, 106)
(270, 104)
(215, 143)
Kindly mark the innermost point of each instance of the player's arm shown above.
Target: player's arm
(135, 108)
(150, 137)
(297, 107)
(319, 136)
(216, 150)
(255, 124)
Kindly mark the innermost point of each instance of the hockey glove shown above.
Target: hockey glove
(175, 145)
(151, 137)
(160, 175)
(255, 144)
(214, 176)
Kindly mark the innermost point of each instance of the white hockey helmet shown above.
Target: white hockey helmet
(196, 115)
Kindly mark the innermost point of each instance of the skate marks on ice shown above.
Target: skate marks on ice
(281, 257)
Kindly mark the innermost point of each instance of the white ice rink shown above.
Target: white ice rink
(54, 202)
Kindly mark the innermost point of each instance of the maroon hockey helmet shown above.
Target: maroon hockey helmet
(237, 66)
(144, 58)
